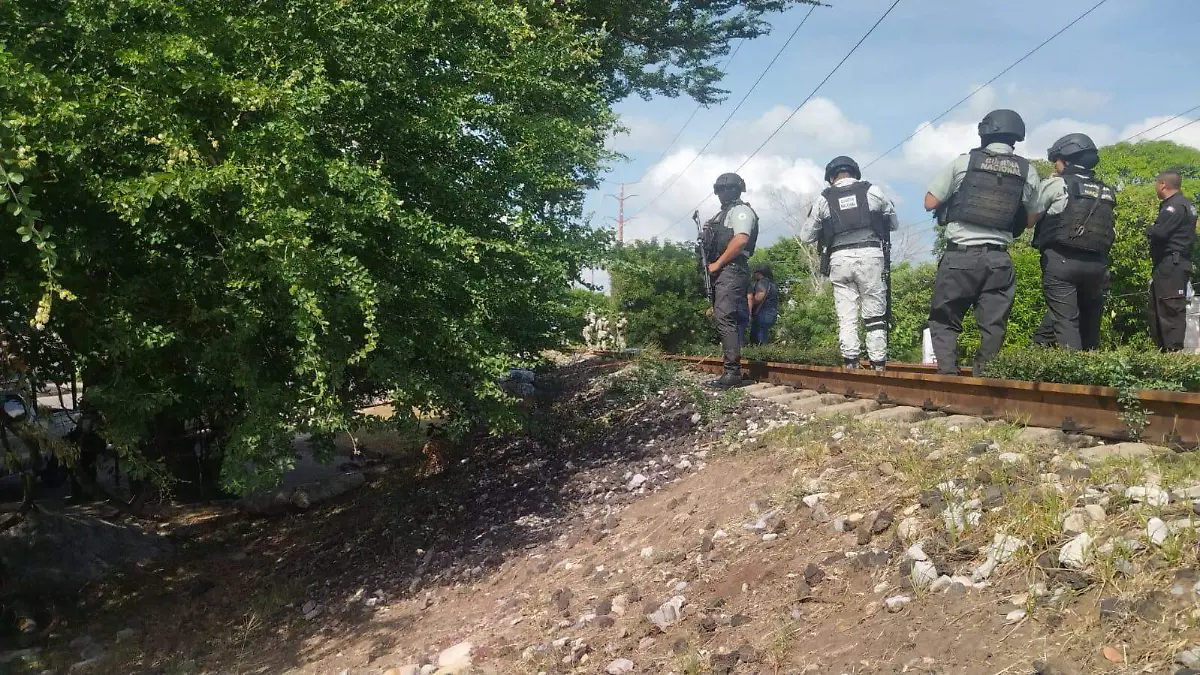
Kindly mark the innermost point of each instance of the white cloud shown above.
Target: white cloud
(769, 179)
(641, 134)
(1189, 135)
(819, 125)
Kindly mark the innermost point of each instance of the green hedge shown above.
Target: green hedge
(1123, 367)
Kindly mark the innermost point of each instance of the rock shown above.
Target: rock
(883, 520)
(310, 610)
(1074, 523)
(909, 530)
(619, 667)
(941, 584)
(1095, 513)
(561, 599)
(923, 574)
(813, 575)
(864, 533)
(771, 521)
(1150, 495)
(636, 482)
(1041, 436)
(915, 552)
(812, 500)
(1011, 458)
(125, 634)
(301, 496)
(668, 613)
(819, 514)
(1189, 658)
(748, 654)
(1015, 616)
(954, 423)
(1113, 655)
(803, 591)
(738, 620)
(457, 656)
(411, 669)
(896, 415)
(1101, 453)
(1076, 552)
(896, 603)
(1001, 550)
(1157, 531)
(620, 604)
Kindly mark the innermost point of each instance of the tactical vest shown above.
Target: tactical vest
(850, 217)
(992, 191)
(1088, 222)
(717, 234)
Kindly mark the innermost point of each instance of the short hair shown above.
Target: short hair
(1171, 179)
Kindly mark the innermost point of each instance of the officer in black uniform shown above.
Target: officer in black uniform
(729, 239)
(1171, 238)
(1074, 229)
(982, 199)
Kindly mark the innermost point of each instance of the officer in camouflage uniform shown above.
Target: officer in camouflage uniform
(1075, 228)
(1171, 239)
(729, 239)
(851, 222)
(982, 199)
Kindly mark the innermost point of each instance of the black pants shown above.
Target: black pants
(979, 279)
(730, 286)
(1168, 302)
(1074, 284)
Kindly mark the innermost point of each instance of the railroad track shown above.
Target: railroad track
(1173, 418)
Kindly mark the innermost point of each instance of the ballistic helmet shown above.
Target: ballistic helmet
(842, 164)
(729, 181)
(1075, 149)
(1002, 123)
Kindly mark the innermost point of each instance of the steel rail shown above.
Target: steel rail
(1172, 417)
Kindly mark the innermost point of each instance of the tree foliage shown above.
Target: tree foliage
(657, 285)
(669, 46)
(272, 213)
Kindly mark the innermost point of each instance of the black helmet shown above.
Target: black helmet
(842, 164)
(729, 180)
(1002, 123)
(1076, 149)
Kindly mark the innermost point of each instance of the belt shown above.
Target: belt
(847, 247)
(978, 247)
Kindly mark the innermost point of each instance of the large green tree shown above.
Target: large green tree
(658, 286)
(256, 217)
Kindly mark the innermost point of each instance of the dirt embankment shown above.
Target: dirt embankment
(642, 526)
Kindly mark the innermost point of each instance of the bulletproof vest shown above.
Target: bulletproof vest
(1088, 222)
(850, 217)
(717, 234)
(991, 193)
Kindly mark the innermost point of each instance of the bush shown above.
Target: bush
(659, 289)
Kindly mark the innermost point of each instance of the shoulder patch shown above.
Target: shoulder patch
(1171, 209)
(742, 215)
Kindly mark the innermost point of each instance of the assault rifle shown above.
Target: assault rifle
(703, 259)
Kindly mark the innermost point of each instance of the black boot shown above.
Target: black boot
(728, 381)
(879, 366)
(852, 364)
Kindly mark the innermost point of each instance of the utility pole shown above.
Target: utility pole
(621, 219)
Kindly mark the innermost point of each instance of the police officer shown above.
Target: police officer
(982, 199)
(851, 222)
(729, 239)
(1075, 228)
(1171, 238)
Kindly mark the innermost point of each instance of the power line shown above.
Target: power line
(721, 128)
(1176, 129)
(805, 101)
(1166, 121)
(968, 97)
(691, 117)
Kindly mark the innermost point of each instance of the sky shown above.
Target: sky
(1127, 66)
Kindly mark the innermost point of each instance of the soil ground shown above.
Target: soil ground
(546, 550)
